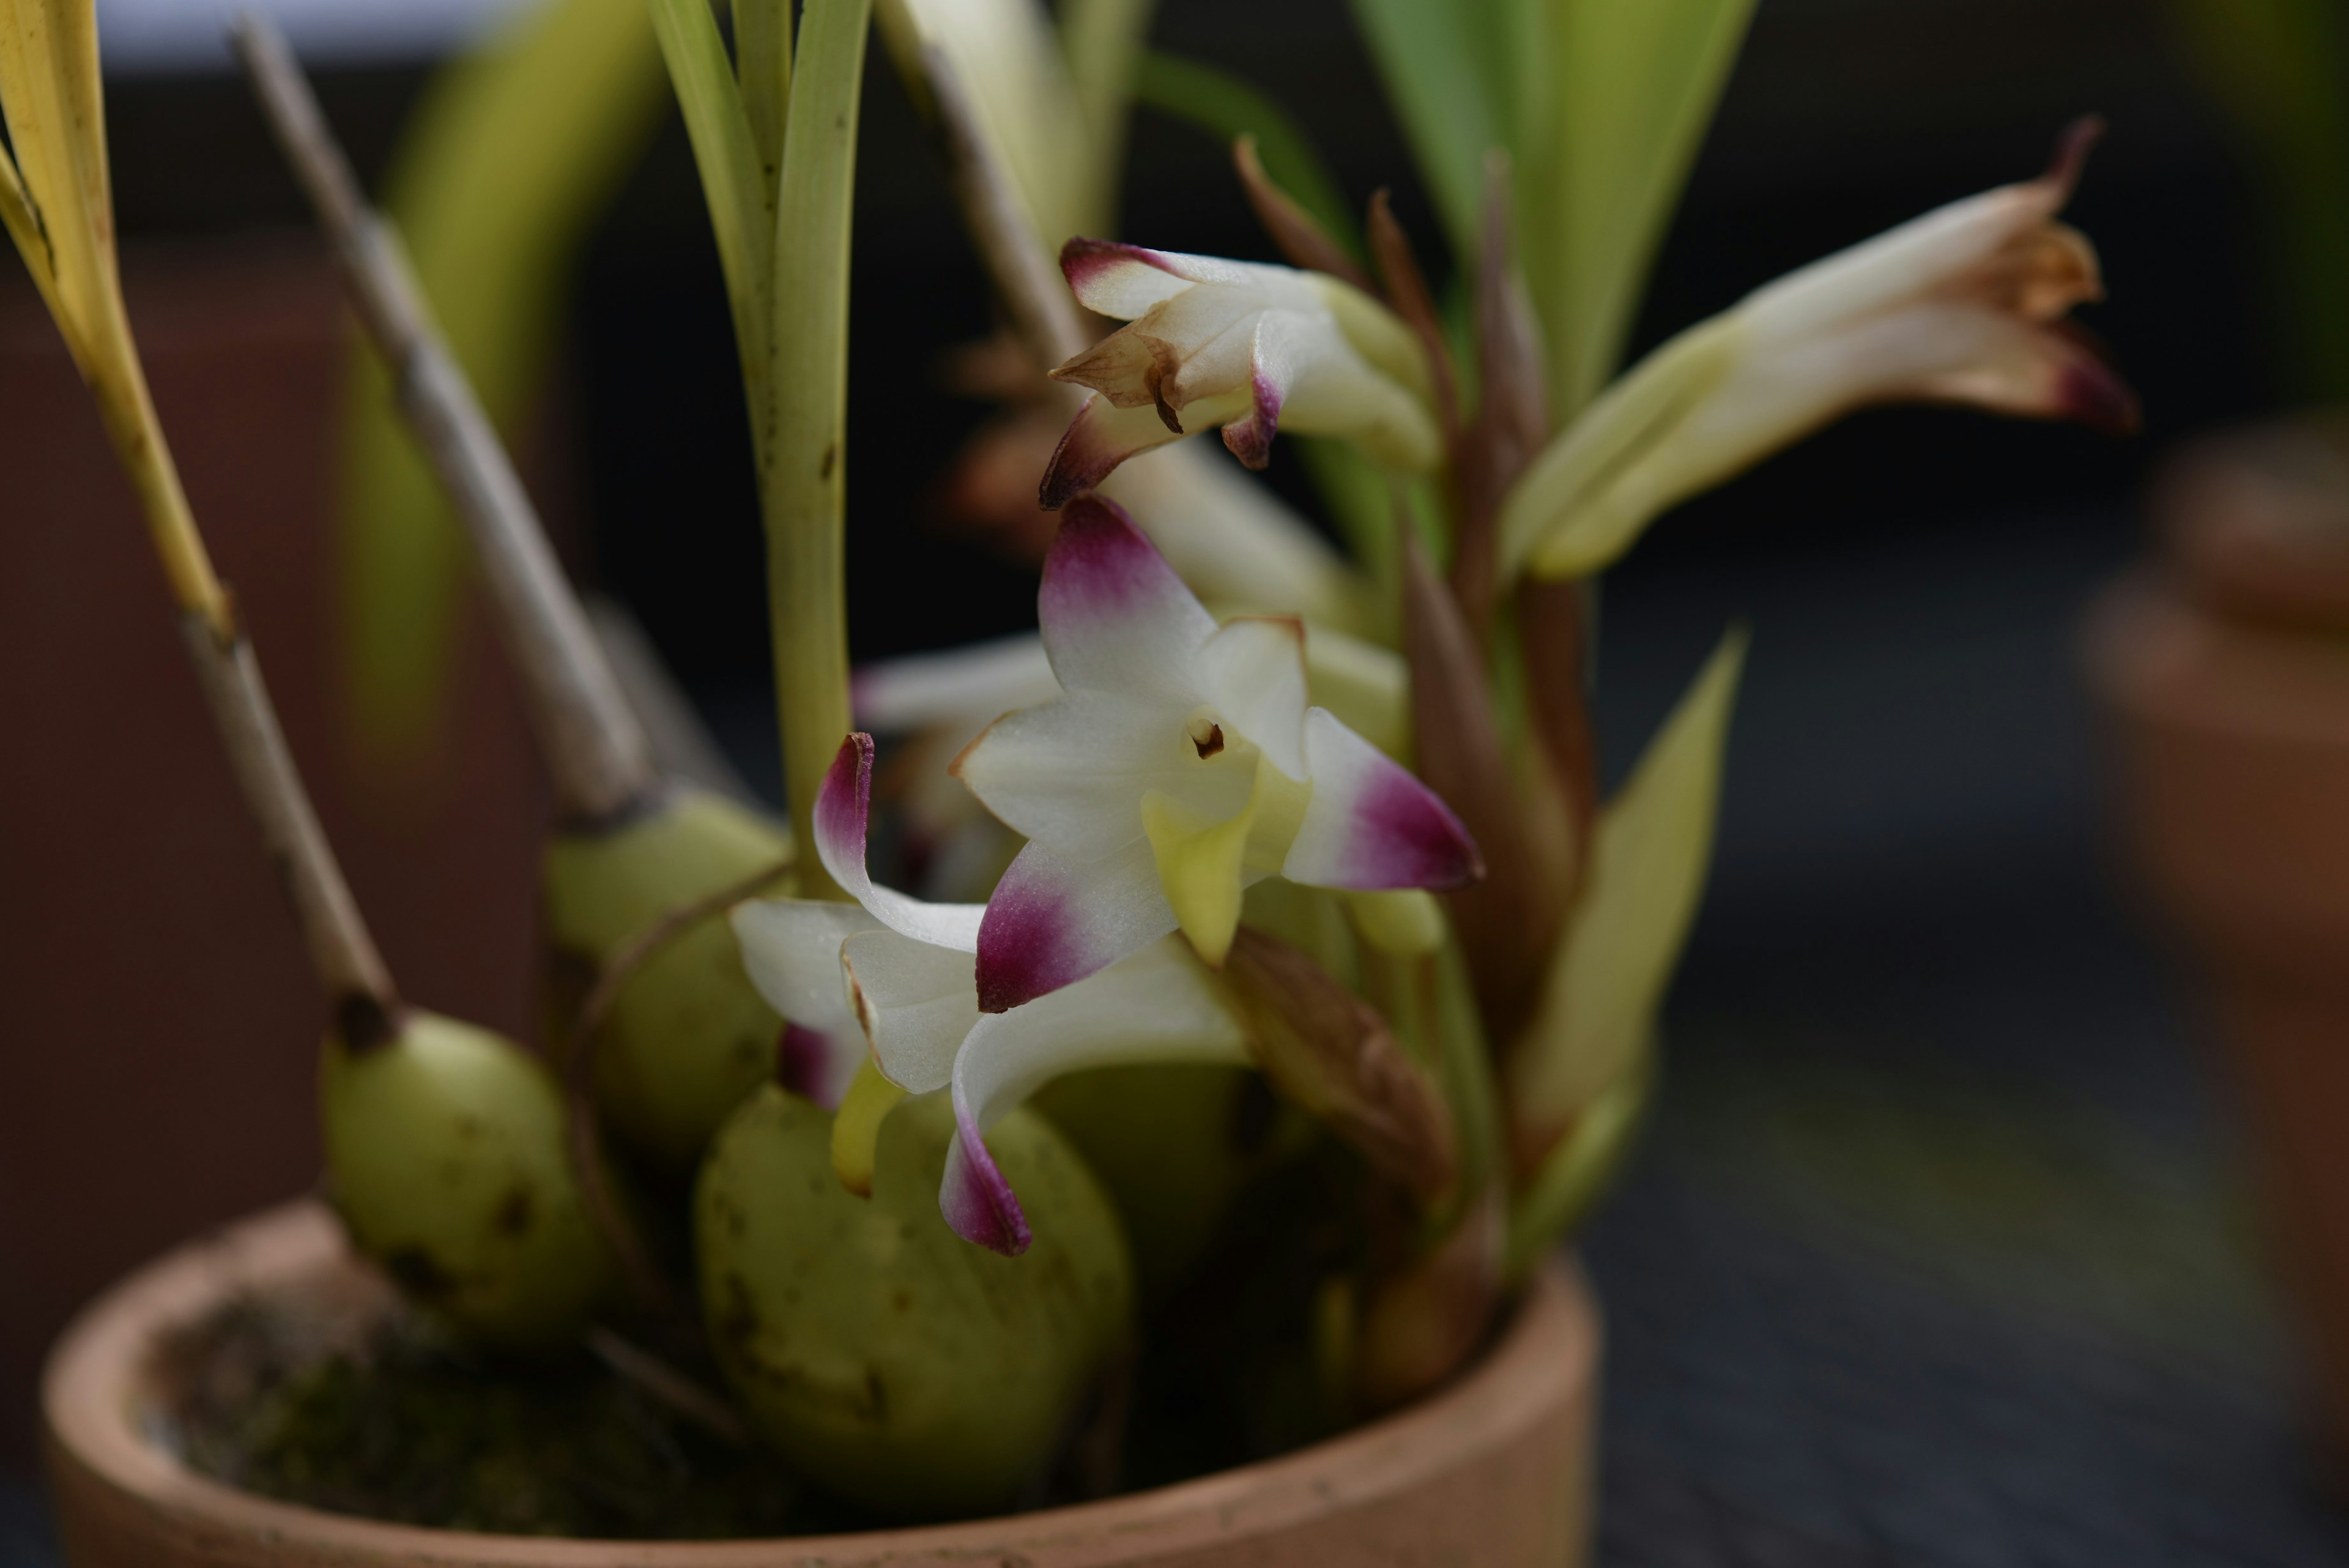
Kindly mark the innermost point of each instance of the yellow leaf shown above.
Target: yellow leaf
(24, 226)
(1654, 842)
(1634, 89)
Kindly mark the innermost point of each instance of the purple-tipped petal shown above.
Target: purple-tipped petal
(844, 809)
(1101, 436)
(979, 1204)
(1370, 825)
(1158, 1004)
(2092, 392)
(1250, 440)
(1115, 617)
(1119, 280)
(1052, 921)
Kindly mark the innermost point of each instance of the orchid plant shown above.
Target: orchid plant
(1327, 830)
(1160, 768)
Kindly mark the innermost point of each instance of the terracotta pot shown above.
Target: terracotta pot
(2224, 667)
(1495, 1472)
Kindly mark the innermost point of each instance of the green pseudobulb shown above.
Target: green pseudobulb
(687, 1036)
(445, 1149)
(881, 1355)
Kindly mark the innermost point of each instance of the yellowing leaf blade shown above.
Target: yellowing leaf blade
(1648, 869)
(1636, 84)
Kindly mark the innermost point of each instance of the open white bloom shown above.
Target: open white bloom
(1236, 344)
(894, 974)
(1965, 305)
(1180, 763)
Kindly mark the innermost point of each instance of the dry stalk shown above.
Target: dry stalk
(597, 751)
(350, 969)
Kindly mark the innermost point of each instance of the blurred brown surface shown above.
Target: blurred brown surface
(156, 1020)
(2226, 674)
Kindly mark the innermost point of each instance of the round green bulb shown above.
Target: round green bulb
(446, 1156)
(687, 1036)
(881, 1355)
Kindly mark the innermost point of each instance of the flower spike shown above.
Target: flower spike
(1181, 762)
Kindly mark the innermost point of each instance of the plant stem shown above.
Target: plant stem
(343, 954)
(804, 486)
(596, 748)
(49, 64)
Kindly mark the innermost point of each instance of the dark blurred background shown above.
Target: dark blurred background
(1933, 1253)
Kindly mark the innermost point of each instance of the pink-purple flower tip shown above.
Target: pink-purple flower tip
(979, 1204)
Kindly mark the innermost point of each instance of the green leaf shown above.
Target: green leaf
(1104, 40)
(1647, 877)
(1636, 84)
(512, 153)
(804, 490)
(2280, 68)
(762, 61)
(1577, 1173)
(1587, 496)
(1452, 79)
(1228, 107)
(726, 151)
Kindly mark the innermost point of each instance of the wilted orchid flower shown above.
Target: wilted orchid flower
(1180, 764)
(1241, 345)
(894, 974)
(1964, 304)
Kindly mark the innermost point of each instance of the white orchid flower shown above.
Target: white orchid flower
(895, 975)
(1241, 345)
(1180, 764)
(1965, 305)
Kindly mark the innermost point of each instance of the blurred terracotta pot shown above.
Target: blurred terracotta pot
(1494, 1472)
(2224, 667)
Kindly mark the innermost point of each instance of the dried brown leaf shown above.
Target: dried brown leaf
(1509, 921)
(1298, 233)
(1330, 1053)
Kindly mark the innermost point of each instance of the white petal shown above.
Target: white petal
(844, 808)
(956, 686)
(1054, 920)
(791, 950)
(1231, 539)
(1159, 1005)
(1115, 618)
(1370, 825)
(1253, 674)
(1073, 771)
(916, 1002)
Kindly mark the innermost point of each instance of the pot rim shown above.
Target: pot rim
(102, 1368)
